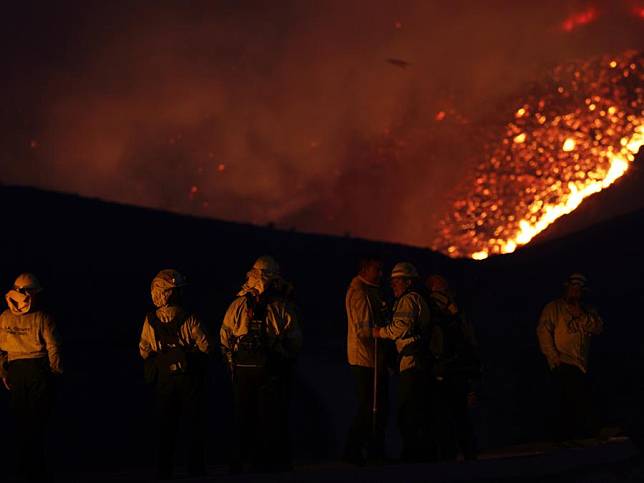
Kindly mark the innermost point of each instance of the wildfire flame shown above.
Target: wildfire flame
(574, 136)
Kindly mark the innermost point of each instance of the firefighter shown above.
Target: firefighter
(410, 329)
(456, 370)
(365, 311)
(565, 329)
(173, 345)
(30, 346)
(260, 339)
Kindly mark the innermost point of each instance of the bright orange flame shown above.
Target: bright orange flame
(555, 154)
(577, 192)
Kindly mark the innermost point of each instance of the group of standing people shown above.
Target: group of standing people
(423, 336)
(434, 353)
(260, 339)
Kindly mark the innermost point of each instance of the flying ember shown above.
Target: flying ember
(574, 135)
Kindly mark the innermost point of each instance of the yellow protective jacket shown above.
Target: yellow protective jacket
(561, 334)
(30, 335)
(364, 312)
(190, 333)
(410, 324)
(283, 334)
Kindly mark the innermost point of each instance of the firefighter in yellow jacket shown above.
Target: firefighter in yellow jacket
(30, 348)
(411, 330)
(366, 310)
(260, 338)
(173, 345)
(565, 329)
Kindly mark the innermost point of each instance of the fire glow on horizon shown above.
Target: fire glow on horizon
(573, 137)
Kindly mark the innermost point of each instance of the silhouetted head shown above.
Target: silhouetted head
(22, 296)
(437, 283)
(261, 276)
(575, 287)
(403, 276)
(370, 269)
(167, 287)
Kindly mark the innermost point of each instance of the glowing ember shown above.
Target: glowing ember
(574, 136)
(568, 145)
(579, 19)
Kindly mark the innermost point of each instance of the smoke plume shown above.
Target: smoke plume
(336, 116)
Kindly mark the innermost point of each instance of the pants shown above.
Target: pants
(32, 399)
(178, 395)
(363, 435)
(260, 433)
(412, 415)
(451, 426)
(576, 415)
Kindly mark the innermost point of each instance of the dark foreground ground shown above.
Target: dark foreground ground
(614, 461)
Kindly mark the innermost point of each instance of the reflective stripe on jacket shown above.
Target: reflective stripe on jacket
(409, 325)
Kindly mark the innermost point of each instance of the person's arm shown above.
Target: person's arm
(4, 358)
(545, 335)
(226, 334)
(198, 335)
(360, 315)
(147, 344)
(594, 323)
(52, 344)
(292, 332)
(402, 321)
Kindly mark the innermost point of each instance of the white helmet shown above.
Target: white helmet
(267, 264)
(27, 282)
(405, 270)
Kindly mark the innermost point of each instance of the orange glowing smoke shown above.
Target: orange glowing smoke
(572, 137)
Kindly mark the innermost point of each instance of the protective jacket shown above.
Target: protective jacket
(280, 331)
(560, 333)
(365, 310)
(191, 335)
(30, 335)
(410, 328)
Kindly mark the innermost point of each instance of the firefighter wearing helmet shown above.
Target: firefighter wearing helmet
(29, 361)
(260, 339)
(566, 327)
(410, 329)
(173, 346)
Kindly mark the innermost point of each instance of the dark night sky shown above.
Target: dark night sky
(277, 111)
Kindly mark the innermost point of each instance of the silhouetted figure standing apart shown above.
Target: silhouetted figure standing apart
(173, 345)
(366, 310)
(565, 329)
(29, 344)
(410, 329)
(456, 370)
(260, 338)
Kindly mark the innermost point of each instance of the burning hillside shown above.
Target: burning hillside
(572, 136)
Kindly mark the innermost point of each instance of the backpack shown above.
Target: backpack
(171, 357)
(251, 349)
